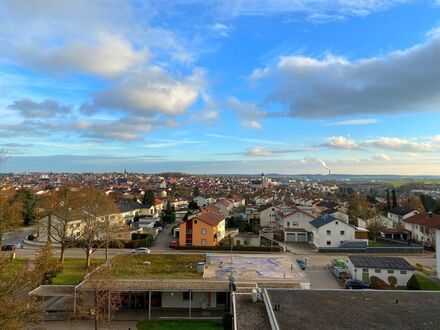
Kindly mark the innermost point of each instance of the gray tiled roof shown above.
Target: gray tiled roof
(322, 220)
(380, 262)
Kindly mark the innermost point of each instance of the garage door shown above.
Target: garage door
(301, 237)
(290, 237)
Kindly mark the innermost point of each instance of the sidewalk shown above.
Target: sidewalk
(86, 325)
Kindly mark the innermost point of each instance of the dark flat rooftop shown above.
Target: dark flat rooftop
(349, 309)
(380, 262)
(250, 315)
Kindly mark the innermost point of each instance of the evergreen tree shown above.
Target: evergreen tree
(394, 199)
(29, 201)
(148, 199)
(388, 200)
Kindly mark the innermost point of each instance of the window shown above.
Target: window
(342, 233)
(336, 222)
(288, 224)
(203, 241)
(203, 231)
(195, 221)
(390, 271)
(329, 232)
(403, 272)
(189, 230)
(377, 271)
(186, 296)
(329, 243)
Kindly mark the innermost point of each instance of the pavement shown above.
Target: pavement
(86, 325)
(322, 278)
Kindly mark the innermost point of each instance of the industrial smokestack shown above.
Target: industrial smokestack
(329, 172)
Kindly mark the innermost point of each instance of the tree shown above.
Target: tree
(359, 207)
(45, 266)
(169, 214)
(394, 198)
(10, 214)
(388, 200)
(192, 206)
(148, 199)
(16, 309)
(62, 208)
(414, 203)
(430, 204)
(113, 230)
(196, 192)
(29, 202)
(375, 227)
(96, 208)
(106, 298)
(413, 283)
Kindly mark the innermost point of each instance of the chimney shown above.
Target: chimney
(329, 172)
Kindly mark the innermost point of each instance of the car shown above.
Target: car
(265, 230)
(8, 247)
(301, 263)
(174, 244)
(356, 285)
(141, 250)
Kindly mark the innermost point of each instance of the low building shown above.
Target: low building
(398, 214)
(363, 267)
(248, 239)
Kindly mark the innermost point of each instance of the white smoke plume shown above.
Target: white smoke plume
(317, 160)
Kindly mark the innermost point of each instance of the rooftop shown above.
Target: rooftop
(250, 315)
(322, 220)
(400, 210)
(429, 220)
(348, 309)
(380, 262)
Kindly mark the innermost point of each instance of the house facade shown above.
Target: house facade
(363, 267)
(329, 231)
(423, 228)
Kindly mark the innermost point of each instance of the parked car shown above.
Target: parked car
(301, 263)
(141, 250)
(8, 247)
(174, 244)
(356, 285)
(265, 230)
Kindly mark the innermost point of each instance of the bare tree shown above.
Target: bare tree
(97, 210)
(99, 298)
(62, 208)
(114, 229)
(10, 214)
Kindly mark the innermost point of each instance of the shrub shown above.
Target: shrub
(378, 284)
(392, 280)
(413, 283)
(419, 267)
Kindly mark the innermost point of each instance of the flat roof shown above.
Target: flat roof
(250, 315)
(349, 309)
(380, 262)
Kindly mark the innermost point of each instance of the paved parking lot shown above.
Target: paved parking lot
(321, 278)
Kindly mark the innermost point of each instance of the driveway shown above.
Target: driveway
(162, 241)
(321, 278)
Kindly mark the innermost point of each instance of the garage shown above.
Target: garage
(299, 237)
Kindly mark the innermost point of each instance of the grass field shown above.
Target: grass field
(180, 325)
(426, 284)
(161, 266)
(74, 271)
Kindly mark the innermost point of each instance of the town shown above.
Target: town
(120, 248)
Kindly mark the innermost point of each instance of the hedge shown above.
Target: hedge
(235, 248)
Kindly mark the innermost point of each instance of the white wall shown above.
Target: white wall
(268, 217)
(402, 279)
(199, 300)
(320, 236)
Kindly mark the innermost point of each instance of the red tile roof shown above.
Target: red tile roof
(425, 219)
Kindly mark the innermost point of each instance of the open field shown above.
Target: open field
(161, 266)
(180, 324)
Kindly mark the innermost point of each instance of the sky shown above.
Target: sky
(221, 86)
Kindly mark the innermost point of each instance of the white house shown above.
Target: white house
(423, 227)
(363, 267)
(268, 217)
(398, 214)
(296, 225)
(329, 231)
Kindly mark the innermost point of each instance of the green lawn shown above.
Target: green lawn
(426, 284)
(180, 325)
(376, 244)
(74, 271)
(162, 266)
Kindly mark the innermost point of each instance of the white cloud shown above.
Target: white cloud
(401, 81)
(243, 139)
(381, 157)
(398, 144)
(220, 30)
(258, 152)
(250, 114)
(341, 142)
(354, 122)
(105, 55)
(152, 91)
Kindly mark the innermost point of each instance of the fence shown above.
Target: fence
(379, 249)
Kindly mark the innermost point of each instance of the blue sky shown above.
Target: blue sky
(221, 86)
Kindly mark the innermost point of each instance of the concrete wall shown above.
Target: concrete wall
(199, 300)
